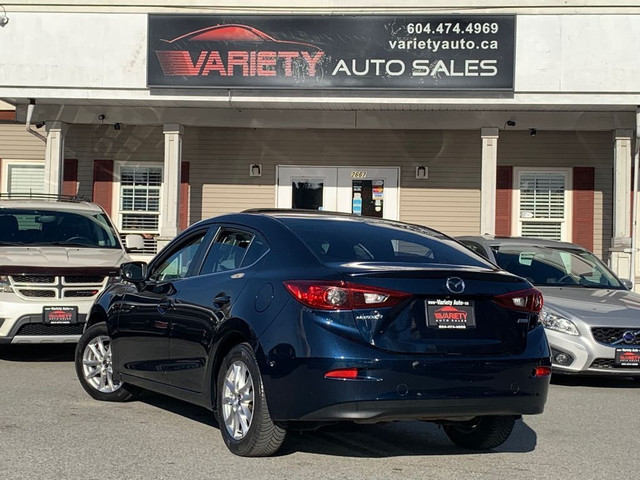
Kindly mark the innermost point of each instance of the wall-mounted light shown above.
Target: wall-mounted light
(3, 18)
(255, 170)
(117, 126)
(510, 123)
(101, 117)
(532, 132)
(422, 172)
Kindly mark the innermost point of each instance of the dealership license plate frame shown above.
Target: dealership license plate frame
(620, 362)
(460, 314)
(49, 318)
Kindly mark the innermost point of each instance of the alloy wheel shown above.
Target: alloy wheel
(237, 400)
(97, 365)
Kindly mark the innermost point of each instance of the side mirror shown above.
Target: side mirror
(627, 283)
(134, 241)
(135, 272)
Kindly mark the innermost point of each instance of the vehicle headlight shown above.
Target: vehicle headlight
(5, 284)
(556, 322)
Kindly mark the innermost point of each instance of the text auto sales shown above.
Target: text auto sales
(264, 63)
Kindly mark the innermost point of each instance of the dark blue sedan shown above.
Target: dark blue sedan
(279, 320)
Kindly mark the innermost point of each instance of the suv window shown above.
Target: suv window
(24, 226)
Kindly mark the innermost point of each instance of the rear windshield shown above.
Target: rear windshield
(39, 227)
(346, 240)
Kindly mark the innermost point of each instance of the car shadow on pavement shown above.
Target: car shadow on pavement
(595, 381)
(38, 353)
(382, 440)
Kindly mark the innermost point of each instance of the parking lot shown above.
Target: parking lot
(50, 428)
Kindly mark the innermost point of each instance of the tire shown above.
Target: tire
(481, 433)
(94, 368)
(244, 420)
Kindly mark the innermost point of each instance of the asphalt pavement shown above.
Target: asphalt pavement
(51, 429)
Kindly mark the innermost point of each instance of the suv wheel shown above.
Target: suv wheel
(94, 367)
(481, 433)
(244, 420)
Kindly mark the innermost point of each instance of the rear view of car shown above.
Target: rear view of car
(280, 320)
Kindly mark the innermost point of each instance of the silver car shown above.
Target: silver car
(591, 318)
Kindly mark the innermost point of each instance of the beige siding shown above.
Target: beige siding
(17, 144)
(569, 149)
(87, 143)
(448, 200)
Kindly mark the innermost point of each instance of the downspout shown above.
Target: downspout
(634, 205)
(30, 108)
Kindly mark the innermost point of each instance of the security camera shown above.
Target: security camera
(3, 20)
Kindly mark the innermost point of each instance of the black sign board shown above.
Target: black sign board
(421, 52)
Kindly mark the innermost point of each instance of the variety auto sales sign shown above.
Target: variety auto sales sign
(413, 52)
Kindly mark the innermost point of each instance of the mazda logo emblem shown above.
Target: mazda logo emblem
(455, 285)
(629, 337)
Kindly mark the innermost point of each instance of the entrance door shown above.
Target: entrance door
(371, 192)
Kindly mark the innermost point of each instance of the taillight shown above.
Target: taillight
(342, 374)
(529, 300)
(338, 295)
(541, 371)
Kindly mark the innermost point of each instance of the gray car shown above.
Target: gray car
(591, 318)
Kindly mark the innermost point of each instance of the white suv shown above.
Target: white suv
(56, 255)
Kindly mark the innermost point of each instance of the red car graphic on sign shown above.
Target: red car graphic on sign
(235, 49)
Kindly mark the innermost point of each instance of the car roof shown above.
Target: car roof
(67, 205)
(525, 241)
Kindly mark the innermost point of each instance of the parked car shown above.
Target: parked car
(56, 254)
(591, 318)
(290, 319)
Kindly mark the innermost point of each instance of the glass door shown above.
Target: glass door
(370, 192)
(307, 188)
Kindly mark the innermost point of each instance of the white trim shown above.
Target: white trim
(115, 197)
(567, 224)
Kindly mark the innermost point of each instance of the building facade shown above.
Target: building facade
(469, 117)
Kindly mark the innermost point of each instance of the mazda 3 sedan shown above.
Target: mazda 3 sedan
(279, 320)
(591, 318)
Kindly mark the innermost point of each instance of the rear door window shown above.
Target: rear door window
(228, 251)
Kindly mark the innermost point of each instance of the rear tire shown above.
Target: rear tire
(94, 367)
(481, 433)
(243, 414)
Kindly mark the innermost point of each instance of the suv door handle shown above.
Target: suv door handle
(221, 300)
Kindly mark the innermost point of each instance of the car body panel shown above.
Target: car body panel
(447, 374)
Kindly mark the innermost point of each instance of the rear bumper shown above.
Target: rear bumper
(449, 409)
(408, 389)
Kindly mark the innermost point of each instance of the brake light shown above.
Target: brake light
(343, 373)
(339, 295)
(542, 371)
(529, 300)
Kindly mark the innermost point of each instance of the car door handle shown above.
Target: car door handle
(221, 300)
(165, 306)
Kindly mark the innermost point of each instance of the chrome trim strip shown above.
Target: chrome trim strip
(45, 339)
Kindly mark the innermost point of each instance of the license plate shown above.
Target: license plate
(450, 314)
(628, 357)
(60, 315)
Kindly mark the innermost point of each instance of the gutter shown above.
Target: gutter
(30, 108)
(634, 205)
